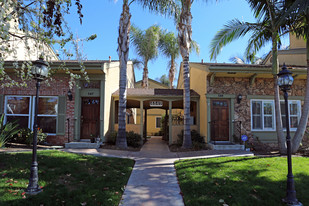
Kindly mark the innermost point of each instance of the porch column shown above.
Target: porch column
(165, 126)
(113, 114)
(145, 125)
(170, 124)
(77, 112)
(142, 118)
(102, 109)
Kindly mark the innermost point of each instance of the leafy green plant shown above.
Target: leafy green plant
(25, 136)
(198, 141)
(111, 137)
(133, 139)
(7, 131)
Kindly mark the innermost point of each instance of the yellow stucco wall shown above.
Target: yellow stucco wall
(198, 82)
(112, 85)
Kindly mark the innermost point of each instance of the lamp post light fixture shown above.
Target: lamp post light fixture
(285, 81)
(39, 71)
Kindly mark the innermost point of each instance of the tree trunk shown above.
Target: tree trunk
(123, 53)
(275, 70)
(184, 38)
(305, 110)
(171, 74)
(145, 77)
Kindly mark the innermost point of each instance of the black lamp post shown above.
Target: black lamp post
(285, 81)
(39, 71)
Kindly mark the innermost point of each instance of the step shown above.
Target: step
(85, 140)
(82, 145)
(226, 146)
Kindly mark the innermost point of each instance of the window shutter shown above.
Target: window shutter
(61, 115)
(1, 104)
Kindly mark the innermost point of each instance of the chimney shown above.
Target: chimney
(110, 58)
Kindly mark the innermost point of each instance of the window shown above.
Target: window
(47, 114)
(22, 109)
(262, 117)
(294, 112)
(158, 122)
(263, 114)
(18, 109)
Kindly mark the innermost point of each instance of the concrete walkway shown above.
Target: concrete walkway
(153, 181)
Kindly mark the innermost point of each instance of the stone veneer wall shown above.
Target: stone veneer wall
(261, 86)
(59, 86)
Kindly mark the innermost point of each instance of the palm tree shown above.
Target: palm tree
(146, 46)
(167, 7)
(267, 28)
(169, 46)
(299, 13)
(184, 39)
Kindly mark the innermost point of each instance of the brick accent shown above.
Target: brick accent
(59, 86)
(262, 86)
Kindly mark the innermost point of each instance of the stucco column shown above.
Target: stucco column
(145, 125)
(142, 118)
(170, 124)
(102, 101)
(77, 112)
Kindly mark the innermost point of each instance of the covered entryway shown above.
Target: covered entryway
(220, 120)
(170, 101)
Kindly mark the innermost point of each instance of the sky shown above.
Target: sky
(101, 17)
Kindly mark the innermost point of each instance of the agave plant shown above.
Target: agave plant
(7, 131)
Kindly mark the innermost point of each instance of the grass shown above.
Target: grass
(241, 180)
(66, 179)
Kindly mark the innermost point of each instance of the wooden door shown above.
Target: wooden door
(219, 125)
(90, 119)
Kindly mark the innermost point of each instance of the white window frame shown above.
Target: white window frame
(298, 102)
(273, 113)
(17, 115)
(45, 115)
(262, 113)
(156, 121)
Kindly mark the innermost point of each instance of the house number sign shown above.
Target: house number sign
(156, 104)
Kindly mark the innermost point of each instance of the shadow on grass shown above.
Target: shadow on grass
(67, 179)
(239, 181)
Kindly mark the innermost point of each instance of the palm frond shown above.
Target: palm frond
(234, 29)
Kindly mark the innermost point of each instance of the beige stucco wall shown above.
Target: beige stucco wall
(35, 49)
(198, 77)
(111, 85)
(296, 43)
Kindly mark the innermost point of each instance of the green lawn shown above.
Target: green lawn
(241, 180)
(66, 179)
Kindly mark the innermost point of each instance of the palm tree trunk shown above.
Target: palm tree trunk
(184, 38)
(275, 70)
(123, 53)
(145, 77)
(171, 74)
(305, 110)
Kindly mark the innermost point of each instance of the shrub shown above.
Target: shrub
(111, 137)
(133, 139)
(198, 141)
(7, 131)
(25, 136)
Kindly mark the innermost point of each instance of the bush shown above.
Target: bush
(133, 139)
(198, 141)
(7, 131)
(25, 136)
(111, 137)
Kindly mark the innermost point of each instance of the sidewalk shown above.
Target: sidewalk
(153, 181)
